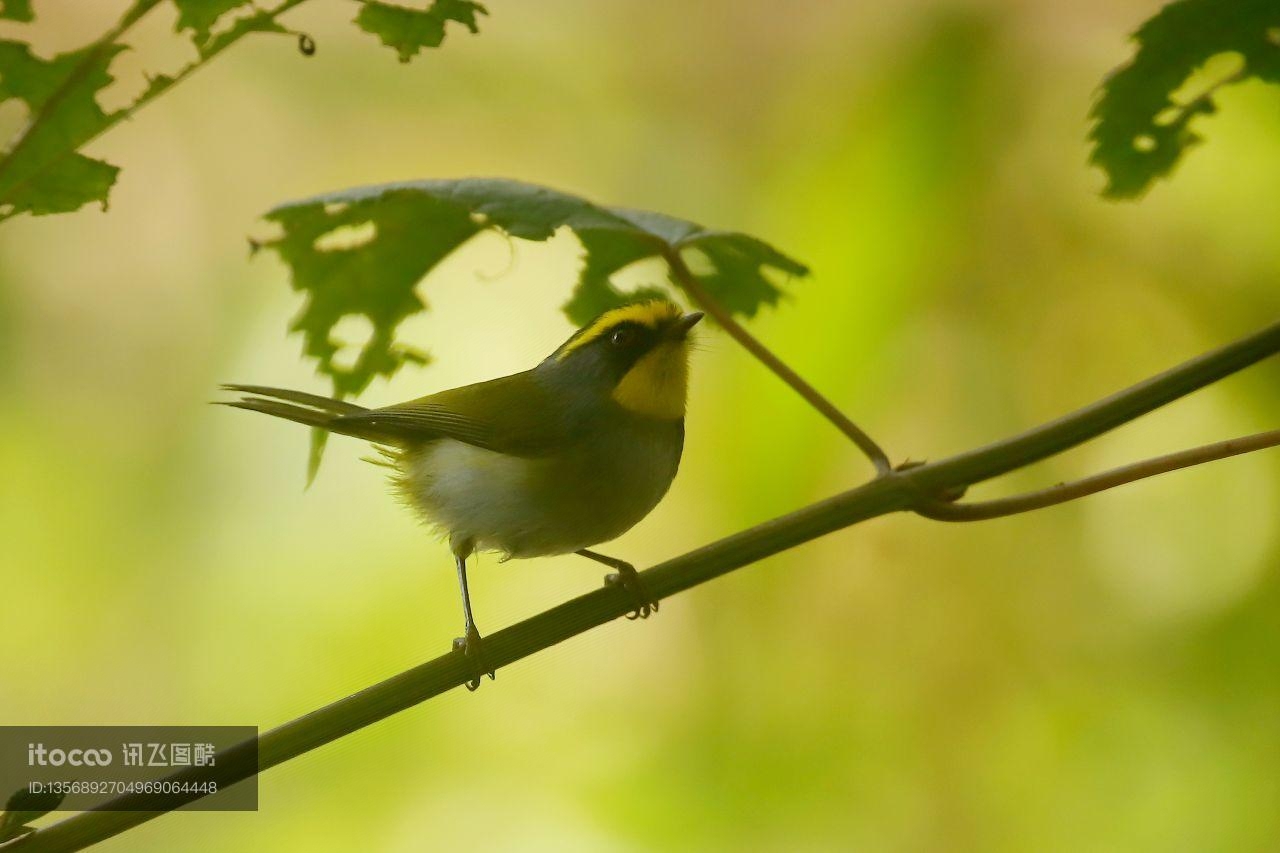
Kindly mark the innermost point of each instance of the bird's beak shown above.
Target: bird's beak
(684, 324)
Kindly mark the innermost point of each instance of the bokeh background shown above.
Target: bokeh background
(1099, 676)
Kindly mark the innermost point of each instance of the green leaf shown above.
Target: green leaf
(363, 251)
(261, 22)
(24, 807)
(605, 253)
(409, 30)
(738, 282)
(1139, 131)
(199, 16)
(17, 10)
(41, 173)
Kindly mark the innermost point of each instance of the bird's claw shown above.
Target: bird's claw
(629, 579)
(472, 648)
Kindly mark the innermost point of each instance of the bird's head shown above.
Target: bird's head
(638, 355)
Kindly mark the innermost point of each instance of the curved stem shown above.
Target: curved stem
(906, 489)
(690, 284)
(1063, 492)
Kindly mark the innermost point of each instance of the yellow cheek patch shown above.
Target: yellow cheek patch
(656, 386)
(652, 314)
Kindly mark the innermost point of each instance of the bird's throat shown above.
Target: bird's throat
(656, 386)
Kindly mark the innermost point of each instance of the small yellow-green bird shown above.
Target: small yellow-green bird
(550, 461)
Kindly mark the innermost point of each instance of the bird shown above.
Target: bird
(552, 460)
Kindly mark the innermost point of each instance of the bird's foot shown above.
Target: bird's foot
(629, 579)
(472, 648)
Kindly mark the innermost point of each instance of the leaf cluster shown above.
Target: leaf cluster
(43, 170)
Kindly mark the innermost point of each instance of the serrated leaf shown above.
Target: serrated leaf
(199, 16)
(17, 10)
(407, 31)
(409, 233)
(738, 283)
(22, 808)
(41, 174)
(605, 254)
(1139, 132)
(363, 252)
(67, 185)
(42, 170)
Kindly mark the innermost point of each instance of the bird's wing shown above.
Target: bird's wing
(515, 415)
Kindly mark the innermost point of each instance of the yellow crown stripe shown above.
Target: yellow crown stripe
(652, 314)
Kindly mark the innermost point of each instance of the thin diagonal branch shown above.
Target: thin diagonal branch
(690, 284)
(910, 489)
(1063, 492)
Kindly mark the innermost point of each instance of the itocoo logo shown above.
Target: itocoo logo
(37, 755)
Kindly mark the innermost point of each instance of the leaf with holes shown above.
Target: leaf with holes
(42, 170)
(407, 31)
(363, 252)
(42, 173)
(199, 16)
(1140, 132)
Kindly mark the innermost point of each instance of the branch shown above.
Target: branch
(909, 489)
(690, 284)
(206, 54)
(1063, 492)
(1078, 427)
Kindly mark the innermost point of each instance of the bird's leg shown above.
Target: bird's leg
(471, 645)
(628, 578)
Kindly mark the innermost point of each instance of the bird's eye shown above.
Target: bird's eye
(623, 337)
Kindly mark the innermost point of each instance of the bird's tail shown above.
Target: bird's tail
(300, 407)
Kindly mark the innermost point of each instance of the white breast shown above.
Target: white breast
(527, 507)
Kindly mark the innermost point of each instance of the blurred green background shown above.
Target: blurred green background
(1100, 676)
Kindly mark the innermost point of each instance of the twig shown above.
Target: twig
(690, 284)
(206, 56)
(1063, 492)
(908, 489)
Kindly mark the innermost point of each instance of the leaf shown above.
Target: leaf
(1139, 131)
(41, 173)
(363, 251)
(22, 808)
(409, 30)
(605, 253)
(42, 170)
(199, 16)
(17, 10)
(737, 282)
